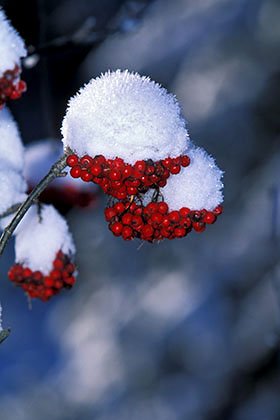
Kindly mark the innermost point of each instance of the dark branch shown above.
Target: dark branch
(54, 172)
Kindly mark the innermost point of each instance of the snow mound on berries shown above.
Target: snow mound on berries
(12, 187)
(40, 236)
(198, 186)
(11, 147)
(122, 114)
(11, 45)
(40, 156)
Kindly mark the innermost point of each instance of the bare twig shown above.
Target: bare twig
(4, 334)
(54, 172)
(11, 210)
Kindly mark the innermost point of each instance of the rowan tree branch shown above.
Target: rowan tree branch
(55, 171)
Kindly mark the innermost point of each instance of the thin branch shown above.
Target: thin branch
(54, 172)
(4, 334)
(11, 210)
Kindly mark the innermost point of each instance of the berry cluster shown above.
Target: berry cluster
(155, 222)
(37, 285)
(11, 87)
(120, 179)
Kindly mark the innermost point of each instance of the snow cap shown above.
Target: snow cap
(122, 114)
(12, 187)
(11, 45)
(198, 186)
(11, 147)
(41, 234)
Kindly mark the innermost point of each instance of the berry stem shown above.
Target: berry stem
(55, 171)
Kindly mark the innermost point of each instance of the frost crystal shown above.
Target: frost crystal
(40, 236)
(198, 186)
(12, 187)
(11, 45)
(122, 114)
(11, 147)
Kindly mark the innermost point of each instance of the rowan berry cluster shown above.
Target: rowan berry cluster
(38, 285)
(155, 222)
(120, 179)
(11, 87)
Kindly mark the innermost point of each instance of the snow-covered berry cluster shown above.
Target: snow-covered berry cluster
(38, 285)
(128, 136)
(46, 266)
(12, 49)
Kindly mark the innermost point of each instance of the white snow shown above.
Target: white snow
(11, 45)
(11, 147)
(198, 186)
(12, 187)
(123, 114)
(40, 236)
(40, 156)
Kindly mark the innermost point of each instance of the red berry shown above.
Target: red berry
(209, 217)
(116, 228)
(127, 233)
(147, 231)
(55, 274)
(150, 170)
(167, 162)
(127, 171)
(70, 268)
(156, 218)
(151, 208)
(100, 159)
(49, 282)
(218, 210)
(174, 216)
(199, 226)
(86, 176)
(109, 213)
(140, 166)
(179, 232)
(162, 207)
(175, 169)
(27, 272)
(185, 161)
(72, 160)
(115, 175)
(15, 94)
(119, 207)
(184, 211)
(70, 280)
(136, 221)
(86, 161)
(96, 169)
(165, 222)
(76, 171)
(126, 219)
(22, 86)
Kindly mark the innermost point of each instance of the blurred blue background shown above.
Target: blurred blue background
(183, 330)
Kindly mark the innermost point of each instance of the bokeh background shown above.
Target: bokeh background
(187, 329)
